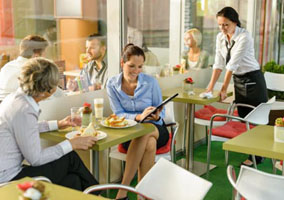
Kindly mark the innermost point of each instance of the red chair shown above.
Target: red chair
(258, 116)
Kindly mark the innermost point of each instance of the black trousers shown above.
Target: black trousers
(68, 171)
(250, 88)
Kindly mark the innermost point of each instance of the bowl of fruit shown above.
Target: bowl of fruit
(279, 130)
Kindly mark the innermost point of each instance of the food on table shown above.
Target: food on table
(115, 121)
(32, 190)
(88, 131)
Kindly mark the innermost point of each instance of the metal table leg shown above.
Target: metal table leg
(96, 169)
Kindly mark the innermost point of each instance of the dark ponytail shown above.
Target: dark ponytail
(231, 14)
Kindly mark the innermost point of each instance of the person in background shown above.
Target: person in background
(134, 35)
(31, 46)
(150, 58)
(95, 72)
(235, 53)
(194, 57)
(20, 129)
(134, 95)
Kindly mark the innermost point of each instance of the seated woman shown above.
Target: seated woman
(195, 58)
(19, 133)
(133, 94)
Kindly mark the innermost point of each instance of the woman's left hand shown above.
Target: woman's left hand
(155, 116)
(64, 123)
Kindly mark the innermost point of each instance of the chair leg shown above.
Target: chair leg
(226, 158)
(208, 156)
(206, 134)
(282, 169)
(254, 161)
(273, 165)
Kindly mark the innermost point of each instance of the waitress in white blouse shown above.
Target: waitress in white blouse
(235, 52)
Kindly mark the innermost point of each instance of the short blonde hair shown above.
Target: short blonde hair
(38, 75)
(196, 34)
(32, 44)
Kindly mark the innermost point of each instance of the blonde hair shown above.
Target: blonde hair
(196, 34)
(38, 75)
(32, 44)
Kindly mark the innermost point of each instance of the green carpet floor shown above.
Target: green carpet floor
(221, 189)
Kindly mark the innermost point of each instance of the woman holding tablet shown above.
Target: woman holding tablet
(134, 95)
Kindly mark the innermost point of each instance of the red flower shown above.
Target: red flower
(178, 66)
(189, 80)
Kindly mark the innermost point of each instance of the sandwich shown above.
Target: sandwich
(115, 121)
(89, 131)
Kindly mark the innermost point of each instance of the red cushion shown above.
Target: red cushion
(230, 129)
(208, 111)
(164, 149)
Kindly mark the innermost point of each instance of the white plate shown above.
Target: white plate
(100, 136)
(130, 124)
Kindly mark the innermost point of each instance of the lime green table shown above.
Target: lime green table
(190, 101)
(11, 192)
(114, 137)
(258, 141)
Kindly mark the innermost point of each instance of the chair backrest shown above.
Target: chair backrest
(102, 187)
(167, 181)
(169, 113)
(260, 115)
(253, 184)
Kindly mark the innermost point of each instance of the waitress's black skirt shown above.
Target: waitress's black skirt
(250, 88)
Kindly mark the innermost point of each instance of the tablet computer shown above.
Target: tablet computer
(159, 107)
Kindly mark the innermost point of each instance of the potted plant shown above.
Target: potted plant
(274, 76)
(188, 85)
(176, 69)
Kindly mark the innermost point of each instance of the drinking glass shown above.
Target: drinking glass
(99, 110)
(76, 117)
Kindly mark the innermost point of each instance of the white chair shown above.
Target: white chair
(170, 122)
(112, 187)
(258, 116)
(206, 122)
(253, 184)
(168, 181)
(165, 181)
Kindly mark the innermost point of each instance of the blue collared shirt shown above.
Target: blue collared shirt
(147, 93)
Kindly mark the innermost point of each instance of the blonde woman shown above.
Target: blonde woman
(20, 129)
(194, 57)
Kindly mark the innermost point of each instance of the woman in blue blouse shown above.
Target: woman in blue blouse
(133, 95)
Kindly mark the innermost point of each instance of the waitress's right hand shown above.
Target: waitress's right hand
(82, 143)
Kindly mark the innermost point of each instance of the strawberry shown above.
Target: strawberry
(24, 186)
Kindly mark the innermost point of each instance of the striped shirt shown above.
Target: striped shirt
(19, 136)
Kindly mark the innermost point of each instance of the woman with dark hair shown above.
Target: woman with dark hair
(235, 52)
(134, 95)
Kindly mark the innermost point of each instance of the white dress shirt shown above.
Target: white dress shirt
(242, 53)
(19, 136)
(9, 76)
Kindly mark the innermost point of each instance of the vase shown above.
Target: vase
(187, 87)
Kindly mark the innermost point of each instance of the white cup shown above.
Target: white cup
(99, 108)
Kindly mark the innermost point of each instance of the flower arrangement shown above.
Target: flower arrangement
(279, 130)
(279, 122)
(176, 68)
(32, 190)
(189, 80)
